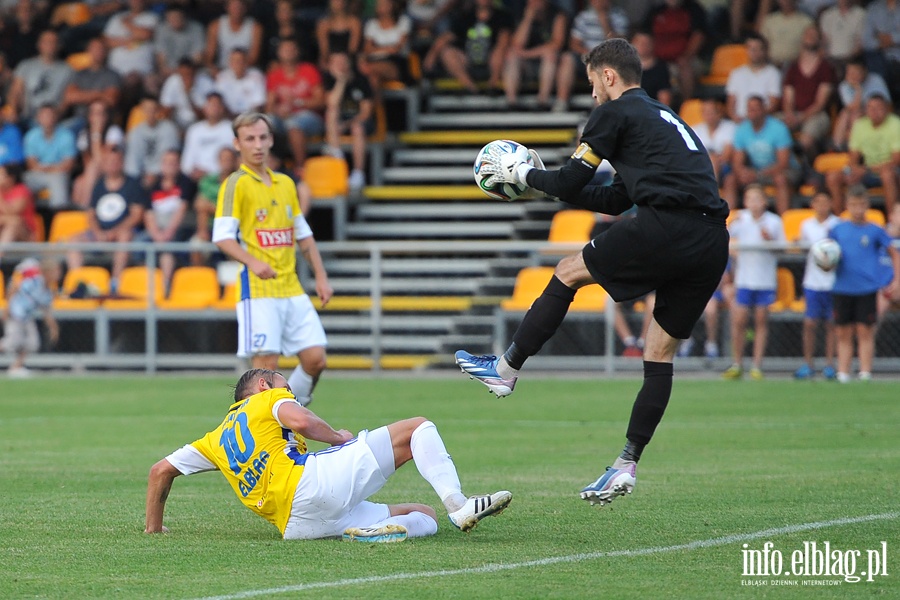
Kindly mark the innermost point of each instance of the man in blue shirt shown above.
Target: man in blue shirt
(857, 281)
(50, 157)
(762, 154)
(11, 151)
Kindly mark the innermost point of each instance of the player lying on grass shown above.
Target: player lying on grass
(677, 245)
(260, 448)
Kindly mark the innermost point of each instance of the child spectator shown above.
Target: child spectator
(856, 283)
(888, 299)
(534, 51)
(234, 29)
(350, 110)
(385, 54)
(817, 286)
(17, 215)
(49, 156)
(634, 346)
(243, 87)
(99, 134)
(204, 139)
(338, 31)
(755, 279)
(857, 85)
(164, 214)
(148, 141)
(30, 297)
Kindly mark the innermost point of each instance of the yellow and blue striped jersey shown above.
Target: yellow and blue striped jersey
(261, 460)
(265, 217)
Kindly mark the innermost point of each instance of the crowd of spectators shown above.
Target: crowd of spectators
(150, 82)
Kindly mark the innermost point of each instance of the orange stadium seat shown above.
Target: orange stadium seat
(40, 232)
(530, 282)
(572, 226)
(97, 277)
(690, 111)
(134, 289)
(67, 224)
(831, 161)
(228, 298)
(873, 215)
(2, 291)
(590, 298)
(792, 218)
(725, 58)
(193, 288)
(79, 61)
(786, 292)
(326, 176)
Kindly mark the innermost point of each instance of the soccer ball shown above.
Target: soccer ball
(826, 253)
(491, 153)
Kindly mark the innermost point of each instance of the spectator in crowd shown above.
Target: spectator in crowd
(430, 18)
(117, 208)
(164, 216)
(808, 87)
(92, 141)
(17, 215)
(129, 37)
(634, 346)
(856, 283)
(758, 77)
(857, 84)
(597, 22)
(874, 153)
(385, 53)
(881, 41)
(842, 31)
(39, 80)
(243, 88)
(783, 29)
(75, 38)
(289, 25)
(50, 157)
(817, 285)
(755, 279)
(888, 299)
(350, 111)
(11, 149)
(176, 38)
(30, 297)
(204, 139)
(474, 47)
(679, 31)
(96, 82)
(762, 154)
(148, 142)
(6, 79)
(340, 30)
(534, 50)
(296, 99)
(20, 32)
(234, 29)
(184, 93)
(656, 79)
(717, 135)
(207, 195)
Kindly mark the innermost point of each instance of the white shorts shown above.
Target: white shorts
(21, 336)
(283, 326)
(332, 492)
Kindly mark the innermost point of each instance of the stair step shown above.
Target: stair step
(501, 230)
(481, 137)
(338, 361)
(470, 210)
(493, 120)
(454, 102)
(406, 285)
(424, 192)
(429, 266)
(402, 343)
(441, 156)
(393, 324)
(424, 174)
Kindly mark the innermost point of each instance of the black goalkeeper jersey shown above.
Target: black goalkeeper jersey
(659, 161)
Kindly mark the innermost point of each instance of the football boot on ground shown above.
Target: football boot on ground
(477, 508)
(612, 484)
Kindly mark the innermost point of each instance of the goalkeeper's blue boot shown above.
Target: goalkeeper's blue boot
(611, 485)
(484, 369)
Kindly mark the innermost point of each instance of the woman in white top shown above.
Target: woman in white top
(385, 54)
(99, 134)
(233, 30)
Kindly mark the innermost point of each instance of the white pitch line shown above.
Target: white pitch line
(719, 541)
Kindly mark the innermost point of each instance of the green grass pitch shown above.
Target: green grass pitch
(729, 459)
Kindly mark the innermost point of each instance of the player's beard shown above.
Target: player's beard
(602, 94)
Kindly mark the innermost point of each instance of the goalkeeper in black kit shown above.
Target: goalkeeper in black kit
(676, 246)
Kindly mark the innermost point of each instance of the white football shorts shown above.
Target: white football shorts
(283, 326)
(332, 492)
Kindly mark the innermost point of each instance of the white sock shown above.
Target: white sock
(629, 341)
(417, 524)
(301, 384)
(436, 466)
(505, 371)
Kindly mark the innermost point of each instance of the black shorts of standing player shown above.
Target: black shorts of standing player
(854, 309)
(678, 254)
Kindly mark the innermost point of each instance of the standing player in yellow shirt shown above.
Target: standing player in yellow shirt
(258, 221)
(260, 448)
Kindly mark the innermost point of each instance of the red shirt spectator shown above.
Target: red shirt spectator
(18, 222)
(672, 25)
(292, 89)
(806, 86)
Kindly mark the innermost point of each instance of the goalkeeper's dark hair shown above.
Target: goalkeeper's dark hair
(245, 383)
(620, 56)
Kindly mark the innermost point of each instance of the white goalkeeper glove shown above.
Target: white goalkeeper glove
(513, 168)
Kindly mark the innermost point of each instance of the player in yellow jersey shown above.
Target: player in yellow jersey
(258, 221)
(260, 448)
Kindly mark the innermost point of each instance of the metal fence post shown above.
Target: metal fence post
(376, 314)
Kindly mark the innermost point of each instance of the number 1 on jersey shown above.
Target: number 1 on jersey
(688, 140)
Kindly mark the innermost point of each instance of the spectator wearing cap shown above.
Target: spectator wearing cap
(857, 85)
(204, 139)
(184, 93)
(874, 153)
(177, 37)
(49, 156)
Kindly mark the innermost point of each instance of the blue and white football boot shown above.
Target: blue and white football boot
(484, 369)
(611, 485)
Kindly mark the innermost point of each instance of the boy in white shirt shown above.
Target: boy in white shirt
(755, 279)
(817, 286)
